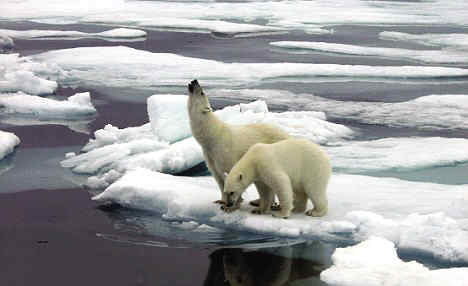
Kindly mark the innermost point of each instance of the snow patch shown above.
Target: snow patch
(114, 34)
(375, 262)
(8, 142)
(75, 107)
(426, 56)
(408, 213)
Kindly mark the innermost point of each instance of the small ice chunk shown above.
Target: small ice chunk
(76, 106)
(118, 33)
(375, 262)
(8, 142)
(70, 154)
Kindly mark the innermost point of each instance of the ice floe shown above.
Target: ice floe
(453, 41)
(74, 107)
(165, 143)
(305, 15)
(424, 217)
(113, 34)
(393, 154)
(23, 74)
(98, 65)
(8, 142)
(375, 262)
(426, 56)
(438, 111)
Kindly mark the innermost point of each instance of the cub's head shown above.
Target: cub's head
(235, 184)
(198, 101)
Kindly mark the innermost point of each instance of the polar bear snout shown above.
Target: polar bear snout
(195, 88)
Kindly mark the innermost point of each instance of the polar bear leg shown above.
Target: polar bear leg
(281, 186)
(219, 178)
(300, 202)
(266, 198)
(320, 205)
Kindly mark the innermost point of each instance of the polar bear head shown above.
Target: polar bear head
(198, 102)
(235, 184)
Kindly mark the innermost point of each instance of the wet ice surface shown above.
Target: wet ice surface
(407, 123)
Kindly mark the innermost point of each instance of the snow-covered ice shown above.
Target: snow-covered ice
(23, 74)
(437, 111)
(165, 143)
(375, 262)
(113, 34)
(452, 40)
(427, 56)
(425, 217)
(305, 15)
(98, 65)
(393, 154)
(74, 107)
(8, 142)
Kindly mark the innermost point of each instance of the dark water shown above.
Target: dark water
(51, 233)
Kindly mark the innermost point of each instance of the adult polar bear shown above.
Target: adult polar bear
(295, 169)
(224, 144)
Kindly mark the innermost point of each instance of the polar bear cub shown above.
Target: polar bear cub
(294, 169)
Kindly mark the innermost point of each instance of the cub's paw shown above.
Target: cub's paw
(279, 215)
(227, 209)
(256, 211)
(316, 213)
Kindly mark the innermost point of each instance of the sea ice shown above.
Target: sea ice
(23, 74)
(438, 111)
(305, 15)
(375, 262)
(8, 142)
(113, 34)
(445, 56)
(169, 145)
(423, 217)
(453, 41)
(75, 107)
(98, 66)
(397, 154)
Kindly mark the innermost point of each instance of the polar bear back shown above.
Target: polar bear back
(302, 160)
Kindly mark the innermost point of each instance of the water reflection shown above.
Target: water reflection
(288, 265)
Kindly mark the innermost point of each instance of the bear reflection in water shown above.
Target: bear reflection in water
(267, 267)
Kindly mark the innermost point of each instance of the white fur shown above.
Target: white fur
(224, 144)
(295, 169)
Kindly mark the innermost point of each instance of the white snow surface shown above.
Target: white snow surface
(424, 217)
(455, 41)
(437, 111)
(99, 66)
(119, 33)
(165, 143)
(8, 142)
(446, 56)
(305, 15)
(397, 154)
(23, 74)
(375, 262)
(74, 107)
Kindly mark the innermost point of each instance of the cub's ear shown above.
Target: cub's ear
(240, 177)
